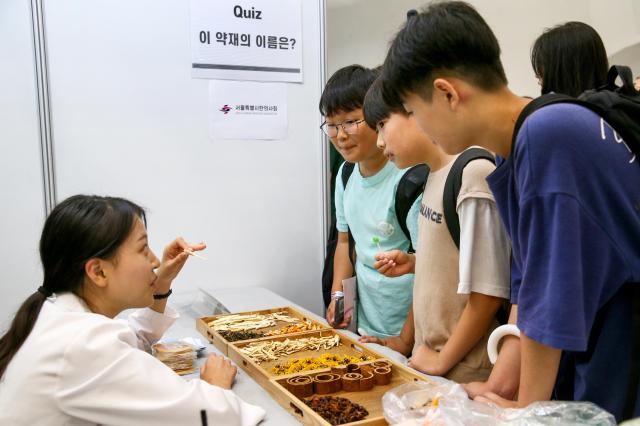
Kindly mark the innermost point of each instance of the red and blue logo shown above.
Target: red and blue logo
(226, 108)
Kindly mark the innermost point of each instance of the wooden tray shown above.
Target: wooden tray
(371, 400)
(262, 372)
(275, 385)
(222, 344)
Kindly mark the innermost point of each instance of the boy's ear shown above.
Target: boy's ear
(444, 89)
(96, 271)
(380, 141)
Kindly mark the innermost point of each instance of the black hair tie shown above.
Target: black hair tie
(411, 13)
(43, 290)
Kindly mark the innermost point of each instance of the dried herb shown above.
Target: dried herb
(234, 336)
(245, 322)
(323, 361)
(272, 350)
(337, 410)
(306, 325)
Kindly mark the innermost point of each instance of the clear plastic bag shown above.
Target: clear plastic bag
(420, 403)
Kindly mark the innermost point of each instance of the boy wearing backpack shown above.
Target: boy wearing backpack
(569, 194)
(365, 203)
(461, 277)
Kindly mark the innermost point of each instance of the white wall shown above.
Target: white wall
(21, 188)
(359, 31)
(129, 120)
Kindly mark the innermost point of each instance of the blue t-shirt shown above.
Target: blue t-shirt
(570, 200)
(366, 207)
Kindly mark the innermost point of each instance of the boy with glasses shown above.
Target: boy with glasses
(365, 208)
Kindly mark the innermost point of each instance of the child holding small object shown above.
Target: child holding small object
(66, 360)
(365, 207)
(457, 290)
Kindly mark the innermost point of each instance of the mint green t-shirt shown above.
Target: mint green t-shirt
(367, 207)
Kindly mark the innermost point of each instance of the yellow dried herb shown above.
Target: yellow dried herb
(324, 361)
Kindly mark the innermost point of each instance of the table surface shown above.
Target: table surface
(195, 304)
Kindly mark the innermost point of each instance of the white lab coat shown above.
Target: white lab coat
(81, 368)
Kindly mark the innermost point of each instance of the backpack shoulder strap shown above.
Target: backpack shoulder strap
(347, 169)
(410, 187)
(452, 188)
(533, 106)
(626, 76)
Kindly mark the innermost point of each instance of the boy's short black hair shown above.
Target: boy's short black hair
(569, 59)
(375, 108)
(346, 89)
(446, 38)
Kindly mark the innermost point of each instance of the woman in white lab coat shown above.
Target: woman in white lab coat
(66, 361)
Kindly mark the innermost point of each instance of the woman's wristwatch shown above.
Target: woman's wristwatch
(162, 296)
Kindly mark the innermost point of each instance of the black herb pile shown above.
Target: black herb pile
(337, 410)
(234, 336)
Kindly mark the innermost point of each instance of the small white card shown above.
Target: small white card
(247, 110)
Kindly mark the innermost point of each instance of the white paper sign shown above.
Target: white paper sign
(247, 110)
(247, 40)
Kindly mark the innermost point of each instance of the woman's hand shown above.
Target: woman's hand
(395, 263)
(218, 371)
(173, 259)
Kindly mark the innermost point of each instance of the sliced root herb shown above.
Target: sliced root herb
(249, 321)
(306, 325)
(273, 350)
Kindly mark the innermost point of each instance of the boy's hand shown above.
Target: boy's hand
(330, 316)
(426, 360)
(475, 389)
(395, 263)
(494, 399)
(372, 339)
(505, 376)
(394, 343)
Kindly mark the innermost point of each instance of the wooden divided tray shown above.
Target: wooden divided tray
(285, 389)
(213, 336)
(371, 400)
(262, 372)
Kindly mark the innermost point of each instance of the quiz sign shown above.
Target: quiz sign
(258, 40)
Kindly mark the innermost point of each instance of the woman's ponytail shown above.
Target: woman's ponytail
(20, 328)
(78, 229)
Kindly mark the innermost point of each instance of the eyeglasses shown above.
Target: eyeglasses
(350, 127)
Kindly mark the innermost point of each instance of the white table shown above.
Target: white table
(192, 305)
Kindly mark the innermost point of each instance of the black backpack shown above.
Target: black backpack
(410, 187)
(452, 188)
(619, 106)
(450, 199)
